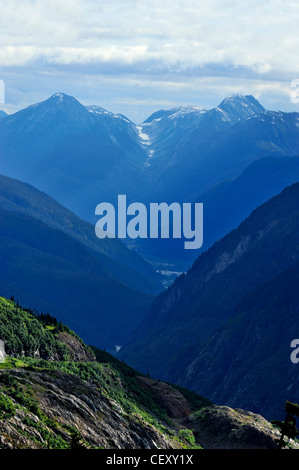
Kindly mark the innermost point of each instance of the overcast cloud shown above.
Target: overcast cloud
(136, 56)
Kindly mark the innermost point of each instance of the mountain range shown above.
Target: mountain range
(84, 155)
(59, 159)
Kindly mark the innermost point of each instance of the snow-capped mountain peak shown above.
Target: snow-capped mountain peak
(237, 107)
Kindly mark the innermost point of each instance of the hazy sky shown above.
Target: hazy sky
(137, 56)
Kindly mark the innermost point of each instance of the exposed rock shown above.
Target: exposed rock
(168, 397)
(221, 427)
(74, 404)
(77, 351)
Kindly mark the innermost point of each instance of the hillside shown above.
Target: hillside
(201, 301)
(54, 388)
(247, 362)
(46, 269)
(124, 264)
(57, 393)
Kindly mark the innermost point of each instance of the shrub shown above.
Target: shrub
(7, 408)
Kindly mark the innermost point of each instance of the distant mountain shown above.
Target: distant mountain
(174, 136)
(208, 156)
(219, 148)
(165, 130)
(123, 264)
(2, 114)
(85, 155)
(228, 203)
(80, 156)
(201, 301)
(247, 362)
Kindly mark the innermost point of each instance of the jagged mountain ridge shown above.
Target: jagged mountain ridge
(206, 158)
(59, 145)
(168, 131)
(84, 155)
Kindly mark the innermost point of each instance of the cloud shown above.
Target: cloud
(259, 35)
(135, 44)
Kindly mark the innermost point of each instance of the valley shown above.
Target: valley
(213, 322)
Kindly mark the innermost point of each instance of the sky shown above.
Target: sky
(137, 56)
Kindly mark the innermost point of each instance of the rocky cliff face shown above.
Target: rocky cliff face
(65, 404)
(41, 409)
(170, 399)
(222, 427)
(77, 351)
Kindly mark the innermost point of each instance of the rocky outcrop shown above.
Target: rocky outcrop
(168, 397)
(73, 404)
(222, 427)
(77, 351)
(51, 408)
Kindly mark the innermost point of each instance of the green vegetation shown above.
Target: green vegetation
(145, 398)
(27, 334)
(188, 436)
(288, 426)
(16, 395)
(7, 408)
(32, 345)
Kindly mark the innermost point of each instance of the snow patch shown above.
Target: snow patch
(143, 136)
(59, 96)
(185, 110)
(97, 110)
